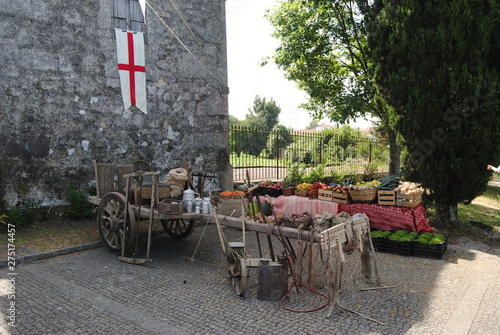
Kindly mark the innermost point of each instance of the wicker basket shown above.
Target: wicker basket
(288, 191)
(288, 222)
(366, 195)
(301, 193)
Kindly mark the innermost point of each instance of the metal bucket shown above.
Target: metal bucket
(273, 279)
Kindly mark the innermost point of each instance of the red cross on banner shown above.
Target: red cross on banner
(132, 69)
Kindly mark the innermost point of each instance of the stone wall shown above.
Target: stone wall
(62, 106)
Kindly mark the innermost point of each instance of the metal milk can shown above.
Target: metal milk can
(205, 205)
(188, 194)
(189, 205)
(197, 204)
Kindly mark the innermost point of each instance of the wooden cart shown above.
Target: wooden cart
(119, 213)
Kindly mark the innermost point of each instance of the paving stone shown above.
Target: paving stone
(92, 292)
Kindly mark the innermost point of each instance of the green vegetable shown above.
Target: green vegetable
(388, 183)
(394, 237)
(427, 235)
(435, 241)
(440, 236)
(253, 208)
(422, 240)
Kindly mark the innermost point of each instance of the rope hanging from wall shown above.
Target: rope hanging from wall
(182, 43)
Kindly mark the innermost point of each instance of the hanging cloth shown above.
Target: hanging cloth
(132, 68)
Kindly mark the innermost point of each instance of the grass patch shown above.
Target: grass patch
(484, 209)
(47, 236)
(62, 232)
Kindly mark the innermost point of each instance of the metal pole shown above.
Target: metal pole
(277, 156)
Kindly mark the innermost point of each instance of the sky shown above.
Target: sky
(249, 41)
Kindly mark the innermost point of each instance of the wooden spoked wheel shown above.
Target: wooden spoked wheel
(240, 277)
(178, 228)
(111, 222)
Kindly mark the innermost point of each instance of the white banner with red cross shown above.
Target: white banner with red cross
(132, 68)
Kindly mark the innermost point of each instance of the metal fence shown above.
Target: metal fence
(267, 155)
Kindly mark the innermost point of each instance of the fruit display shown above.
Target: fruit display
(239, 194)
(226, 194)
(313, 189)
(364, 185)
(338, 188)
(409, 188)
(235, 194)
(304, 186)
(278, 185)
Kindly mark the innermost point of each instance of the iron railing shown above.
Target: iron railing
(268, 154)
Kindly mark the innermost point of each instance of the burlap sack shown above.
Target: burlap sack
(176, 179)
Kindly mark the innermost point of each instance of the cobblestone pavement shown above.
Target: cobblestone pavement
(92, 292)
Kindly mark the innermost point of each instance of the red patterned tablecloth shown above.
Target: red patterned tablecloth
(381, 217)
(391, 217)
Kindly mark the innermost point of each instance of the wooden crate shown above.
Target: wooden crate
(408, 200)
(386, 198)
(163, 192)
(326, 195)
(341, 198)
(170, 206)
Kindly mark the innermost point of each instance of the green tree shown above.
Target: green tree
(280, 137)
(262, 114)
(262, 117)
(328, 146)
(233, 121)
(438, 69)
(323, 48)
